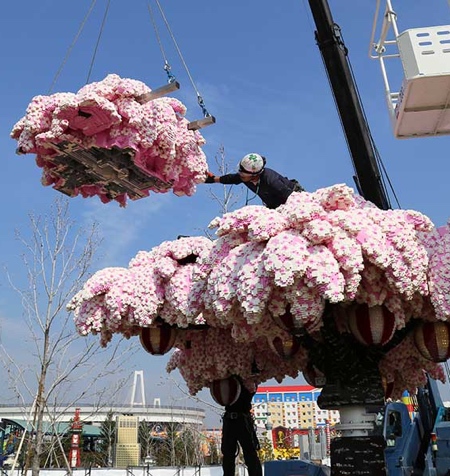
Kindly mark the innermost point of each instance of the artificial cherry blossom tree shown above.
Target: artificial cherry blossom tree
(324, 248)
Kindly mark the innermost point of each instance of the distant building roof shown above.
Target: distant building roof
(92, 414)
(59, 428)
(285, 388)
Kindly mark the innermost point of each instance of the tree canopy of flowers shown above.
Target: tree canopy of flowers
(328, 247)
(107, 115)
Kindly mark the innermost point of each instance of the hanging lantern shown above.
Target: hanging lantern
(373, 325)
(432, 339)
(226, 391)
(314, 376)
(285, 347)
(158, 340)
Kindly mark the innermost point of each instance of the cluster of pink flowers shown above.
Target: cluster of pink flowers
(215, 354)
(121, 300)
(438, 245)
(326, 246)
(406, 368)
(107, 114)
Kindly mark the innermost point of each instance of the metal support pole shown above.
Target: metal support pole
(356, 130)
(357, 446)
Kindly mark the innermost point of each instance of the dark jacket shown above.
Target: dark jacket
(239, 427)
(273, 189)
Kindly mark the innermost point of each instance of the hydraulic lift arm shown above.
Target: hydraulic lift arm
(351, 398)
(334, 54)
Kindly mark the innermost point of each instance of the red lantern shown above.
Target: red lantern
(432, 339)
(225, 391)
(158, 340)
(314, 376)
(286, 347)
(371, 325)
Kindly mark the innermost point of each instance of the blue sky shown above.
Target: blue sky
(259, 71)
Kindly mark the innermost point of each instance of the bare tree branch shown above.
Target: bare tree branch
(228, 200)
(65, 368)
(230, 196)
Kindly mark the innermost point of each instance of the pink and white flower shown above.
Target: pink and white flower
(329, 246)
(107, 114)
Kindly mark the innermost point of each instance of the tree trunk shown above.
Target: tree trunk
(39, 415)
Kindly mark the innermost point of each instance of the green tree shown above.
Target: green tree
(215, 456)
(166, 454)
(180, 446)
(266, 451)
(190, 447)
(148, 440)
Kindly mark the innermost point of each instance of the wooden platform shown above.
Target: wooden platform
(112, 169)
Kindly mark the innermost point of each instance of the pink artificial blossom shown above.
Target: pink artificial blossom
(227, 295)
(108, 114)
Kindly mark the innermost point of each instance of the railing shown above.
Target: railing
(153, 471)
(107, 407)
(144, 470)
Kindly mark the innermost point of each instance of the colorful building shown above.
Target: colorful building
(290, 406)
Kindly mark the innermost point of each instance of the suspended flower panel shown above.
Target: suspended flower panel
(158, 340)
(225, 391)
(102, 141)
(373, 325)
(433, 340)
(328, 246)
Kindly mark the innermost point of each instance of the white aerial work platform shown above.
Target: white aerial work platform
(421, 107)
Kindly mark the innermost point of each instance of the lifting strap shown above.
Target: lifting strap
(80, 29)
(172, 83)
(71, 46)
(208, 119)
(167, 67)
(94, 54)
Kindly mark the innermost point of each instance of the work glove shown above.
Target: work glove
(210, 178)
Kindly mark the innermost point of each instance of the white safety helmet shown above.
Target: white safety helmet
(252, 164)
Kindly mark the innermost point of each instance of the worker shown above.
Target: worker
(238, 426)
(271, 187)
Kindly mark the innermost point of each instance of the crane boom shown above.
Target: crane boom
(334, 54)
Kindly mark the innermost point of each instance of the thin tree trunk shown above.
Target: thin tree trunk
(56, 259)
(40, 408)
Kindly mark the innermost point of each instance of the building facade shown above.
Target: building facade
(290, 406)
(94, 415)
(128, 450)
